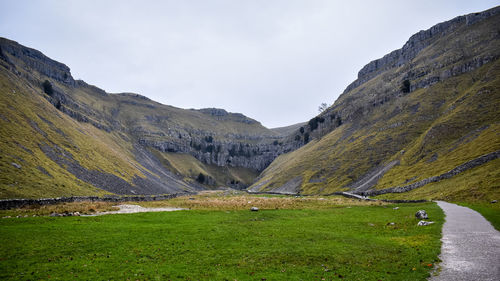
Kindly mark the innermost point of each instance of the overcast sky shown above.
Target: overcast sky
(272, 60)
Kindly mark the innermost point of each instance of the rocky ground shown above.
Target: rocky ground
(129, 209)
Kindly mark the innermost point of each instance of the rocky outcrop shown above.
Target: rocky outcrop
(356, 102)
(35, 60)
(222, 114)
(415, 44)
(237, 149)
(241, 152)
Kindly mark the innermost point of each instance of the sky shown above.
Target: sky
(275, 61)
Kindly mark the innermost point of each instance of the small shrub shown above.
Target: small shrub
(323, 106)
(405, 88)
(338, 121)
(232, 151)
(47, 88)
(209, 149)
(313, 124)
(200, 178)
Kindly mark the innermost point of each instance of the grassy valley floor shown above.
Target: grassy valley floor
(318, 240)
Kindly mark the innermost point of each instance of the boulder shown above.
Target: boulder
(421, 214)
(494, 201)
(254, 209)
(424, 223)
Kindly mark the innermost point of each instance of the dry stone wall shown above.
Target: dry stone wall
(459, 169)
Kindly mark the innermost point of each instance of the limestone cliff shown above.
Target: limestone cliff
(416, 113)
(224, 148)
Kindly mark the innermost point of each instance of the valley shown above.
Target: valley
(414, 114)
(208, 194)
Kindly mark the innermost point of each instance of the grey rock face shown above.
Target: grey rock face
(36, 60)
(222, 114)
(233, 149)
(399, 65)
(403, 64)
(415, 44)
(236, 150)
(421, 214)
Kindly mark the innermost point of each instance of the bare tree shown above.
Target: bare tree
(323, 106)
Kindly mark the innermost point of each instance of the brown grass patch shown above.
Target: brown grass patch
(223, 200)
(207, 200)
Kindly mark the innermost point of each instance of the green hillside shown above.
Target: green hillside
(406, 121)
(420, 122)
(62, 137)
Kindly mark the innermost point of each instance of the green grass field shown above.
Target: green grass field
(339, 242)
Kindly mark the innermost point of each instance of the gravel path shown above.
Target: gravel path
(471, 246)
(129, 209)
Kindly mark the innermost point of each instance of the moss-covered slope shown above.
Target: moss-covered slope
(62, 137)
(416, 113)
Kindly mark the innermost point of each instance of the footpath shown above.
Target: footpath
(471, 246)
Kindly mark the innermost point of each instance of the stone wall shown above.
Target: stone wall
(17, 203)
(459, 169)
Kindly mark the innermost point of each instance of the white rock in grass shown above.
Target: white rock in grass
(254, 209)
(424, 223)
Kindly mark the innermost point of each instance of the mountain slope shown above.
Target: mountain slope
(61, 137)
(416, 113)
